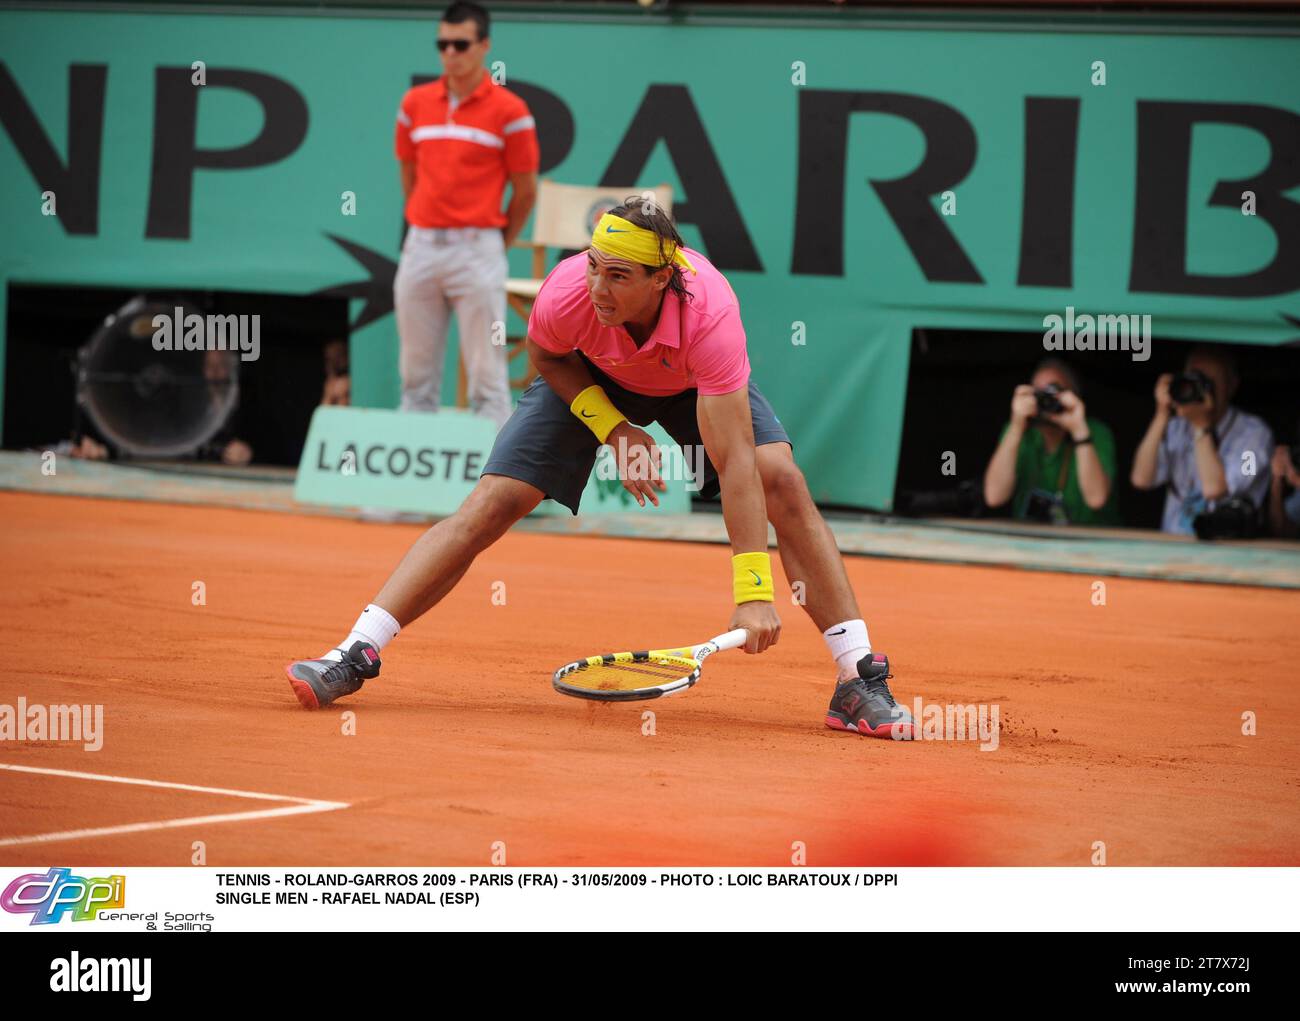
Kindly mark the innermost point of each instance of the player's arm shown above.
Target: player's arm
(726, 426)
(635, 453)
(565, 374)
(406, 168)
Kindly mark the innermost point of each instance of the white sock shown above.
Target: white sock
(848, 642)
(375, 625)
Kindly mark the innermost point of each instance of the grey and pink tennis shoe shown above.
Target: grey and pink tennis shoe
(318, 682)
(866, 706)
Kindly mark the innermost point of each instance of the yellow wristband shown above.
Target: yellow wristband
(752, 577)
(596, 411)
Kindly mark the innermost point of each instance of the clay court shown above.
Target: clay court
(1119, 723)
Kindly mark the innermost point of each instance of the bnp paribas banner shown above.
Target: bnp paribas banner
(854, 180)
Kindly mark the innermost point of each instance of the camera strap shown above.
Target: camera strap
(1057, 513)
(1065, 466)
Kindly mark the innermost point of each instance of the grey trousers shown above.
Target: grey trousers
(441, 271)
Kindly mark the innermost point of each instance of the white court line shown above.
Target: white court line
(299, 806)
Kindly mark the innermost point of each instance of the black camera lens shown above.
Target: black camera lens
(1190, 387)
(1048, 404)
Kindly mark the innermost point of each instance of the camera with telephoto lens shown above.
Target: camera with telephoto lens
(966, 501)
(1190, 387)
(1236, 518)
(1048, 404)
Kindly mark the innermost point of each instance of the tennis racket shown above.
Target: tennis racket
(630, 676)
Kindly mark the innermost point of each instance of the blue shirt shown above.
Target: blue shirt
(1238, 435)
(1291, 507)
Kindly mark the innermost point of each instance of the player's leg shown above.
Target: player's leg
(444, 553)
(813, 566)
(477, 289)
(808, 552)
(422, 314)
(862, 700)
(541, 451)
(430, 569)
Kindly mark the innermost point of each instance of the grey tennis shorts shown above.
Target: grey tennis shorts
(544, 445)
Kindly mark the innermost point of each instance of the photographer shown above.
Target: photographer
(1284, 505)
(1212, 455)
(1053, 462)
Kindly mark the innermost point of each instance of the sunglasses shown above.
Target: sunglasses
(459, 45)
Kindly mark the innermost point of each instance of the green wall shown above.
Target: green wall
(805, 233)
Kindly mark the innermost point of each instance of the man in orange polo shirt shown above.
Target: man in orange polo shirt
(460, 139)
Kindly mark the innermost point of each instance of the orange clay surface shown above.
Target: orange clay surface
(1119, 723)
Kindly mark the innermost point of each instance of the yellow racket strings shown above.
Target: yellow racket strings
(623, 673)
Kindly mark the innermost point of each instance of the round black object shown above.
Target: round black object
(1190, 387)
(149, 402)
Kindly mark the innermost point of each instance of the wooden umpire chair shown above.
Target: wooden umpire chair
(563, 218)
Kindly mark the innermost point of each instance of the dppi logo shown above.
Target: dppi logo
(48, 897)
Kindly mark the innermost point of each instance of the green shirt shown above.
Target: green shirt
(1039, 469)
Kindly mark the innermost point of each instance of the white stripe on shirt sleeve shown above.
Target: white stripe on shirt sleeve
(521, 124)
(459, 132)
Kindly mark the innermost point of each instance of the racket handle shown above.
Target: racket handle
(731, 640)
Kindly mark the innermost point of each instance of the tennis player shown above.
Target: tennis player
(634, 330)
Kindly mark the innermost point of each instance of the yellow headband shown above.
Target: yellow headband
(616, 236)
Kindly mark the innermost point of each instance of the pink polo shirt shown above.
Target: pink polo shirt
(697, 344)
